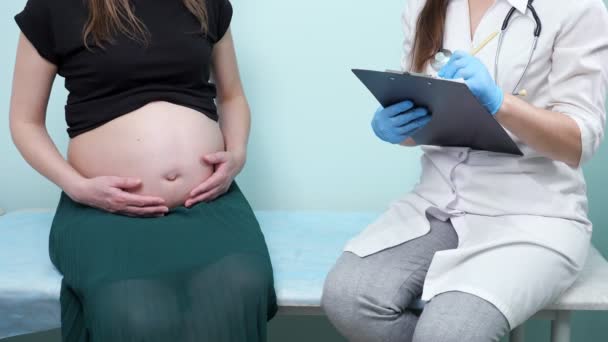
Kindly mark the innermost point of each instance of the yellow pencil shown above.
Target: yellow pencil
(484, 43)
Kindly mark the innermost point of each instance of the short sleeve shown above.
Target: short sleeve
(35, 23)
(579, 73)
(222, 16)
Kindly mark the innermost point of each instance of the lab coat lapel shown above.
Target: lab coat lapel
(457, 35)
(520, 5)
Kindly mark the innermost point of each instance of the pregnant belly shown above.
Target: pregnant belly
(160, 143)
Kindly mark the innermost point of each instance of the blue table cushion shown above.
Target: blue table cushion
(303, 248)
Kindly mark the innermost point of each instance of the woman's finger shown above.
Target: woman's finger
(124, 182)
(205, 197)
(144, 211)
(216, 179)
(216, 158)
(405, 118)
(130, 199)
(217, 192)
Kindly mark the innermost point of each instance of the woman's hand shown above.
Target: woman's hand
(477, 77)
(397, 123)
(227, 165)
(111, 194)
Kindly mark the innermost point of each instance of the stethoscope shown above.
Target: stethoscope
(503, 30)
(442, 57)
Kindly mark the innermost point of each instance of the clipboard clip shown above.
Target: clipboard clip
(398, 72)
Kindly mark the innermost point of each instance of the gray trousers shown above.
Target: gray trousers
(366, 299)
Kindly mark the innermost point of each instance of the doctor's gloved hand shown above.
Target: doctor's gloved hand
(477, 77)
(397, 123)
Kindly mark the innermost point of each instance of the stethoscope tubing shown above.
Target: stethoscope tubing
(503, 30)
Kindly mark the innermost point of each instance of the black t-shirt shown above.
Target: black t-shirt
(104, 84)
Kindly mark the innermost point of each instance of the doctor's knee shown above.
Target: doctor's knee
(458, 316)
(339, 300)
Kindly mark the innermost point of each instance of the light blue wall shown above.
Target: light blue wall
(311, 146)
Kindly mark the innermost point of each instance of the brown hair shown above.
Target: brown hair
(109, 17)
(429, 33)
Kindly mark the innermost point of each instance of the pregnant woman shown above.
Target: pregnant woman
(154, 239)
(487, 239)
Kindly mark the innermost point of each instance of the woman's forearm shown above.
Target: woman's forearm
(37, 148)
(234, 113)
(235, 123)
(553, 134)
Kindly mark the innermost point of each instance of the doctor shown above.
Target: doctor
(488, 239)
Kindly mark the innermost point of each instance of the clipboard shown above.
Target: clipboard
(458, 119)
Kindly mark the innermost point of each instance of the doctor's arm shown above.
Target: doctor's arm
(571, 127)
(553, 134)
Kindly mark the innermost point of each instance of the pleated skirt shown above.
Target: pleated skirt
(196, 274)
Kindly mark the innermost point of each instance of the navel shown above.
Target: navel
(171, 176)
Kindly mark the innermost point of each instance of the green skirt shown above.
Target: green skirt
(198, 274)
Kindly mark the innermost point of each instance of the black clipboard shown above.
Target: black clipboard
(458, 119)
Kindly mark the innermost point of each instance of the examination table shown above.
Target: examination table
(303, 247)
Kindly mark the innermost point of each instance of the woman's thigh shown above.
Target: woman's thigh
(458, 316)
(90, 246)
(229, 300)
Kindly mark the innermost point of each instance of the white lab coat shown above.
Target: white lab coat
(521, 221)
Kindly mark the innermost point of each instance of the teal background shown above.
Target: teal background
(311, 145)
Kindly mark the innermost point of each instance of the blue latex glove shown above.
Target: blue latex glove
(398, 122)
(476, 76)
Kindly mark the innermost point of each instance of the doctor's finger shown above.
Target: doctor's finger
(398, 108)
(414, 125)
(450, 69)
(407, 117)
(465, 73)
(460, 54)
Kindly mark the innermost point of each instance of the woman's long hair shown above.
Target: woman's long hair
(109, 17)
(429, 33)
